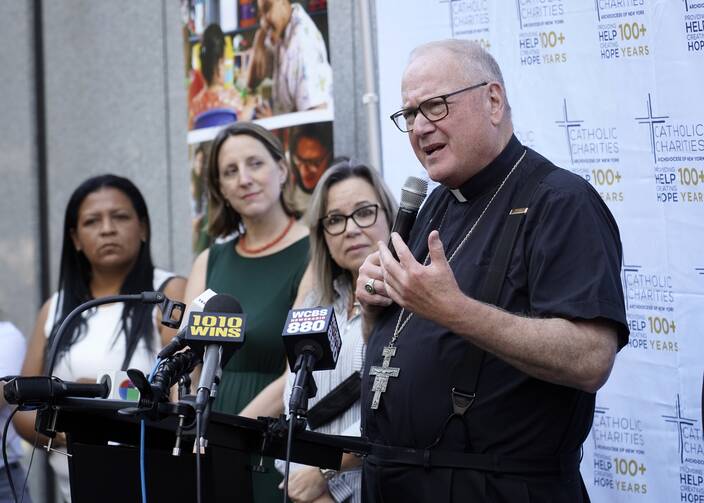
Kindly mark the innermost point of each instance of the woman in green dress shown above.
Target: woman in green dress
(248, 182)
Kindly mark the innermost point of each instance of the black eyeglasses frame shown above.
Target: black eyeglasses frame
(400, 114)
(376, 207)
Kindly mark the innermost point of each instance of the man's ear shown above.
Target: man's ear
(497, 103)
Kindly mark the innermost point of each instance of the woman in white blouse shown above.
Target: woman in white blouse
(106, 251)
(351, 210)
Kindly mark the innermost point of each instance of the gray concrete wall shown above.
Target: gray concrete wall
(116, 102)
(346, 56)
(19, 254)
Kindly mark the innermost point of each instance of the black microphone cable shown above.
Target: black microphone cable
(29, 468)
(4, 449)
(4, 454)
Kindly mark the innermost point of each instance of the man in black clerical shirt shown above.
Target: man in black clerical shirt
(490, 335)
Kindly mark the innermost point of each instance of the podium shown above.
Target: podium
(104, 446)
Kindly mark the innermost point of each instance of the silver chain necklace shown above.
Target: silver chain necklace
(383, 373)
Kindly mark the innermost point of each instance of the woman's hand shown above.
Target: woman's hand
(306, 485)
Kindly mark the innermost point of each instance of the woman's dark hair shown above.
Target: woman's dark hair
(212, 50)
(75, 272)
(222, 219)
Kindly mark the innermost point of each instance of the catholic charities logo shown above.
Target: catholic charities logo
(689, 435)
(672, 141)
(532, 13)
(588, 144)
(690, 5)
(691, 452)
(644, 289)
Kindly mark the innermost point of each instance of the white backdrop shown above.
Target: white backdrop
(613, 91)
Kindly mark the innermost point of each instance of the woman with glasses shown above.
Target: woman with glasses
(351, 210)
(249, 184)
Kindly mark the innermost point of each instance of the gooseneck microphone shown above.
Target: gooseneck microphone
(169, 308)
(413, 193)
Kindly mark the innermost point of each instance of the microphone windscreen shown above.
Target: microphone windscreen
(316, 327)
(222, 303)
(222, 322)
(413, 193)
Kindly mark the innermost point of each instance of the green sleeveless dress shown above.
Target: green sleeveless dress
(266, 287)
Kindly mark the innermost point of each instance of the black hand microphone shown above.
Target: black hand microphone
(312, 342)
(216, 333)
(413, 193)
(41, 390)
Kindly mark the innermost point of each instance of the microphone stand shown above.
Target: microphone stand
(304, 387)
(201, 439)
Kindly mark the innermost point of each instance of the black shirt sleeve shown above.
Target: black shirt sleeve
(574, 254)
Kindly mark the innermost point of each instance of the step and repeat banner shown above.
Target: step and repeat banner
(612, 90)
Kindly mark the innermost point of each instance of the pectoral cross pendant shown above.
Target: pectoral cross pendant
(382, 374)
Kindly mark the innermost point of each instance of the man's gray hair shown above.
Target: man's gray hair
(475, 61)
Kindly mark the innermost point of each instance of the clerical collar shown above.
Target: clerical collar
(491, 174)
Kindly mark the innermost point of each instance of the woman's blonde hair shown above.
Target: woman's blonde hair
(324, 267)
